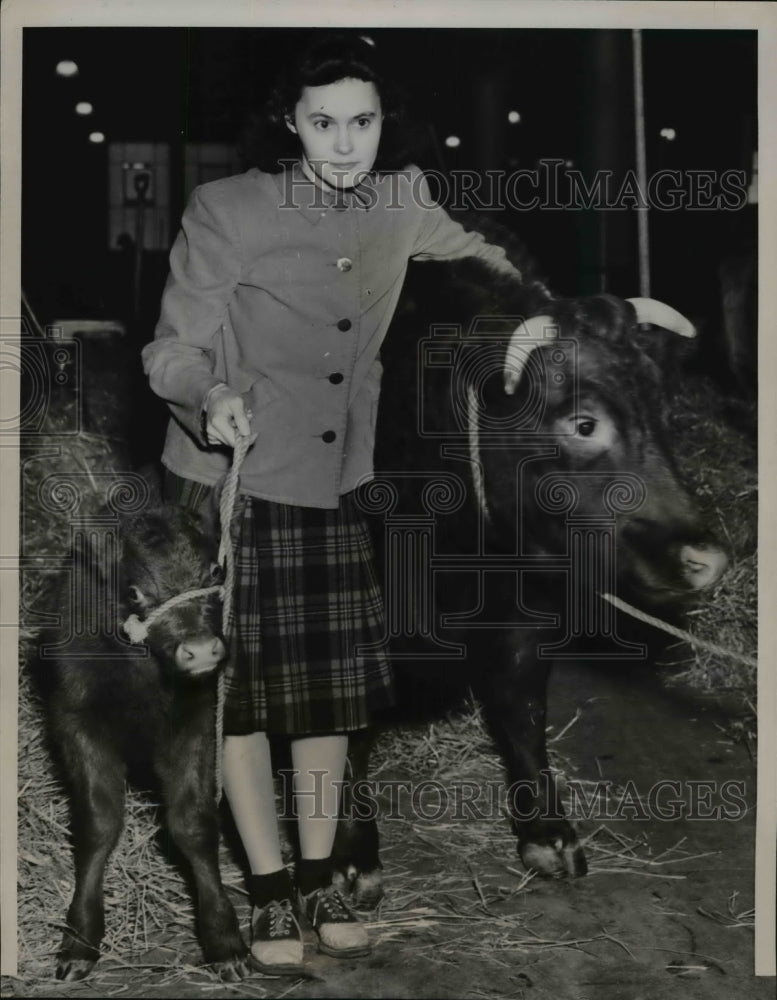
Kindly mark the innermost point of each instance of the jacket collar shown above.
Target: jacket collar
(300, 193)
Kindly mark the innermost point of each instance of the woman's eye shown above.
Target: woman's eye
(363, 122)
(322, 126)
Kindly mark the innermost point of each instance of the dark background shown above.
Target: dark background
(573, 89)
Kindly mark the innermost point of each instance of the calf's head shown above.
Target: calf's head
(165, 553)
(600, 450)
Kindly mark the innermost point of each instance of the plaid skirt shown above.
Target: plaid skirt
(307, 655)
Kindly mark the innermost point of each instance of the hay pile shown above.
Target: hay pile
(716, 451)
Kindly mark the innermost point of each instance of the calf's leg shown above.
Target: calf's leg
(96, 777)
(188, 782)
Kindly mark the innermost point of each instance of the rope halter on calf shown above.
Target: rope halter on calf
(137, 629)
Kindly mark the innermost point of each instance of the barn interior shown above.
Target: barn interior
(120, 124)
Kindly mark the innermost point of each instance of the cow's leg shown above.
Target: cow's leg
(186, 768)
(96, 776)
(355, 854)
(514, 695)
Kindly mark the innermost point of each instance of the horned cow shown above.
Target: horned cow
(549, 414)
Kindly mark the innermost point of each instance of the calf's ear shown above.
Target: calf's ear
(136, 598)
(93, 554)
(152, 475)
(210, 520)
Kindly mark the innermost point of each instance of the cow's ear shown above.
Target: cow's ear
(665, 349)
(93, 572)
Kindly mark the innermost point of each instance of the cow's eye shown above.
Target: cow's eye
(586, 432)
(582, 425)
(135, 595)
(216, 573)
(585, 427)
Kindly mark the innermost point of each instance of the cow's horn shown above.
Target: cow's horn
(523, 341)
(660, 314)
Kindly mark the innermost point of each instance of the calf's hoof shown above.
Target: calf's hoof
(233, 970)
(70, 970)
(553, 851)
(228, 955)
(363, 889)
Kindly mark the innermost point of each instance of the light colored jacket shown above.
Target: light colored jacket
(287, 297)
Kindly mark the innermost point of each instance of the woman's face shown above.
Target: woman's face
(339, 126)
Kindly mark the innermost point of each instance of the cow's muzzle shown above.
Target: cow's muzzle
(702, 566)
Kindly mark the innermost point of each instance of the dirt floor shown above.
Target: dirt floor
(666, 909)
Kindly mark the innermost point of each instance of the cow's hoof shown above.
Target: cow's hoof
(70, 970)
(233, 970)
(365, 889)
(554, 860)
(553, 852)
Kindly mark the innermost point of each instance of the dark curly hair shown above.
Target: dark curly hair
(268, 143)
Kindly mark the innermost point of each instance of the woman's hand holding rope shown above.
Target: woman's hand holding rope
(227, 418)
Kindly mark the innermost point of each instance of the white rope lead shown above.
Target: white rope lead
(227, 560)
(473, 439)
(679, 633)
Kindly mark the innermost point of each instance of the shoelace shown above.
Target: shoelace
(281, 918)
(333, 906)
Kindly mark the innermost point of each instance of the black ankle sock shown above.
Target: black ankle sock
(264, 888)
(312, 875)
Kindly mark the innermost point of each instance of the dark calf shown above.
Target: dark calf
(113, 708)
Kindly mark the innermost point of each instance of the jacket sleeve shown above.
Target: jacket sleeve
(204, 271)
(439, 237)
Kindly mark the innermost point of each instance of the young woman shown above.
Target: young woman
(282, 287)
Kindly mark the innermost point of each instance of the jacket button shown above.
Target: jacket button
(344, 264)
(328, 437)
(336, 378)
(344, 324)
